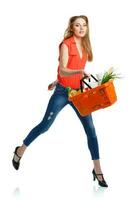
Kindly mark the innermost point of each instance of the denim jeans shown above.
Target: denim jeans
(57, 102)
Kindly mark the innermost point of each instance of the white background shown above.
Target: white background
(58, 165)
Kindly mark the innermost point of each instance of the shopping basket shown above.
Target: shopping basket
(93, 99)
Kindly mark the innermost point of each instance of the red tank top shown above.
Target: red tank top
(74, 62)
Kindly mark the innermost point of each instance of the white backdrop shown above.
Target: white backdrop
(58, 165)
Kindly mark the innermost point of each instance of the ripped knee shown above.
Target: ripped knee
(50, 116)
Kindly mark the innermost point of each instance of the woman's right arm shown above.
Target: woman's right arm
(64, 56)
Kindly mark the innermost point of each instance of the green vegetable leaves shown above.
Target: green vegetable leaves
(109, 75)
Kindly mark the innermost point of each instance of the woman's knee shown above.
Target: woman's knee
(47, 122)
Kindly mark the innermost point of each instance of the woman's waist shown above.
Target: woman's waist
(64, 86)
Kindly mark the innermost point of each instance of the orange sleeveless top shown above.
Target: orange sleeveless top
(74, 62)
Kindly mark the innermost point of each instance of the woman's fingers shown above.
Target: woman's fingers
(87, 75)
(51, 86)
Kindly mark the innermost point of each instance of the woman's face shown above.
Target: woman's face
(79, 27)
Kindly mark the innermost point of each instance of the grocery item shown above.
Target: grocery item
(109, 75)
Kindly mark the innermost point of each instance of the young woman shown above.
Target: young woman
(74, 51)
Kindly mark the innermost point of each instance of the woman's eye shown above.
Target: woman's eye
(78, 25)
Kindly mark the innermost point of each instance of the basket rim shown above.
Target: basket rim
(99, 86)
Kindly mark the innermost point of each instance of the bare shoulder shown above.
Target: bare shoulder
(63, 48)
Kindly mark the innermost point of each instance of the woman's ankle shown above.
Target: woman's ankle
(97, 166)
(21, 150)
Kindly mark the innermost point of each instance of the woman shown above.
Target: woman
(75, 51)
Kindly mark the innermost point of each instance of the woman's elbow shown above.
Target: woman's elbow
(61, 73)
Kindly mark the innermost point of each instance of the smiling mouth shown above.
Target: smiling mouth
(81, 32)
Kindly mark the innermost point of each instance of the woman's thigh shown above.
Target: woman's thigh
(87, 122)
(56, 103)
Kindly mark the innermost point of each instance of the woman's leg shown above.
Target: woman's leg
(57, 102)
(92, 140)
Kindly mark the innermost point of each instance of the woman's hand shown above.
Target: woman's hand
(86, 74)
(52, 85)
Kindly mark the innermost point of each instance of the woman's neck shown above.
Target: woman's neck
(77, 39)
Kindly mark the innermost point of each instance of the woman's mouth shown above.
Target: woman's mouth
(81, 32)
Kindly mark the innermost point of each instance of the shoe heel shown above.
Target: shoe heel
(101, 183)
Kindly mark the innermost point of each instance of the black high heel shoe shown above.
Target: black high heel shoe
(16, 164)
(101, 183)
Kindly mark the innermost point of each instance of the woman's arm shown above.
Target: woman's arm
(64, 71)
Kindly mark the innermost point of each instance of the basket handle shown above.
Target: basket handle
(83, 81)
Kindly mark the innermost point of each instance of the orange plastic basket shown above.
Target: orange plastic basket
(94, 99)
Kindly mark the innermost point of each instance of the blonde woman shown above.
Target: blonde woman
(74, 51)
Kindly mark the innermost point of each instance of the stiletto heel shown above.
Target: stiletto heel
(16, 163)
(101, 183)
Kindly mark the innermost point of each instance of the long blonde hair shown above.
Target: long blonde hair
(85, 40)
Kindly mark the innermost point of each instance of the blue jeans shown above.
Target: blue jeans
(57, 102)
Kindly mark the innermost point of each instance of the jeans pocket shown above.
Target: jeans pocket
(60, 89)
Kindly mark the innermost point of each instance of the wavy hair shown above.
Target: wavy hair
(85, 40)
